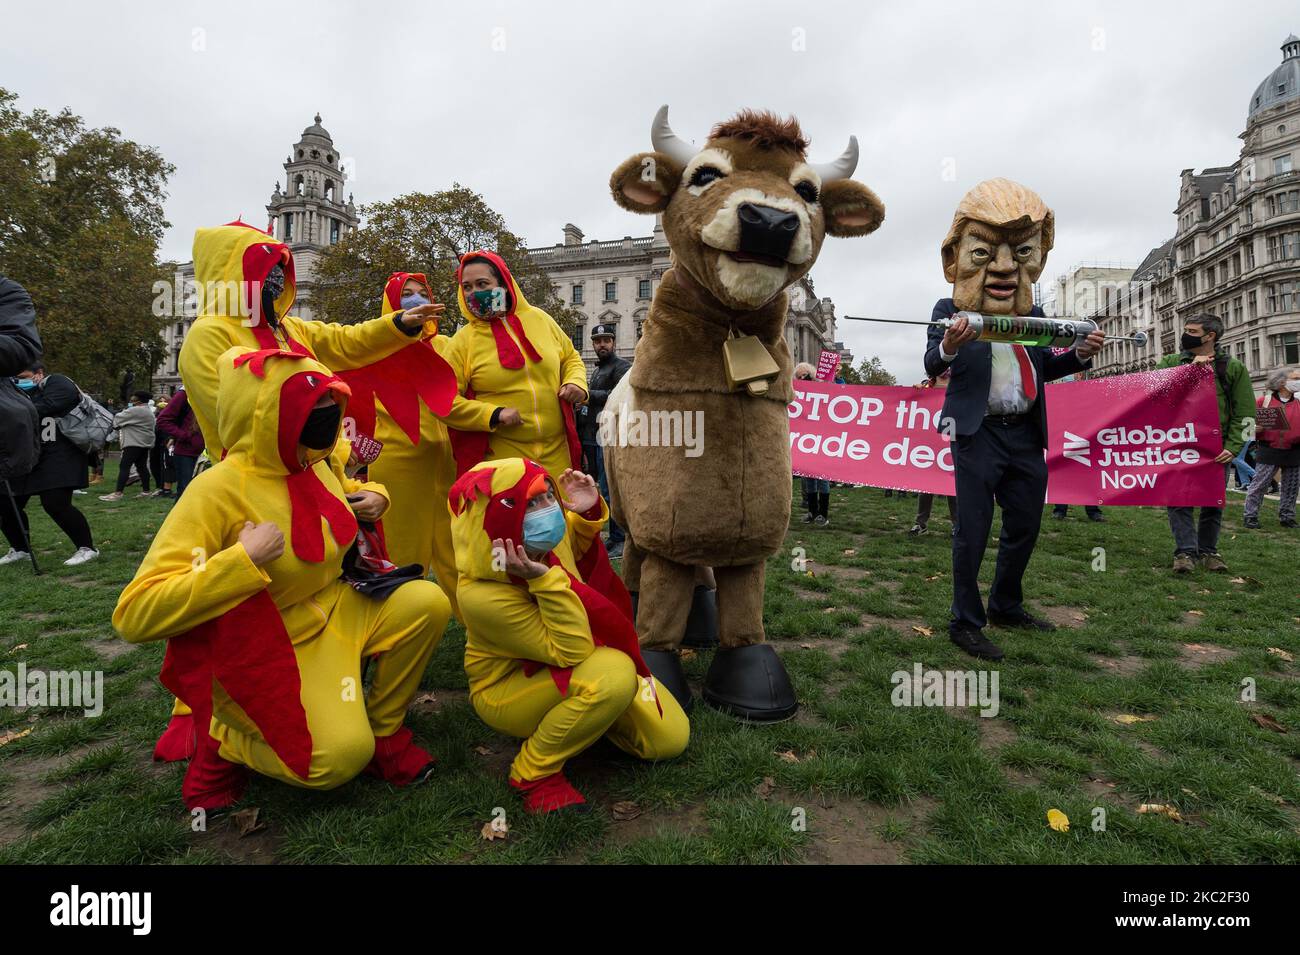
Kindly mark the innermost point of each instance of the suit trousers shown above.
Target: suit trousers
(1002, 462)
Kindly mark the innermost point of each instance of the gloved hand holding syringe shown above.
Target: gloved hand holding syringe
(1020, 329)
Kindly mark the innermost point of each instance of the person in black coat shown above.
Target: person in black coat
(62, 468)
(608, 372)
(995, 407)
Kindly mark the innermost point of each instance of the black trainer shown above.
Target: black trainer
(1022, 620)
(974, 642)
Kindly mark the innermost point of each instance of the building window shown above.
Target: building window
(578, 336)
(288, 226)
(1250, 256)
(1236, 310)
(1286, 349)
(1282, 297)
(611, 290)
(1252, 305)
(1254, 353)
(334, 231)
(643, 288)
(577, 295)
(1281, 164)
(1240, 350)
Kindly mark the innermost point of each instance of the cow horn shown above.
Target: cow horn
(667, 142)
(841, 168)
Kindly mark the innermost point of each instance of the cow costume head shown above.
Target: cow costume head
(746, 214)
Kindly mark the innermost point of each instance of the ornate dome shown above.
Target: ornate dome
(317, 130)
(1283, 83)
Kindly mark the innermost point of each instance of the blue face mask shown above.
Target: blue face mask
(544, 528)
(26, 384)
(413, 299)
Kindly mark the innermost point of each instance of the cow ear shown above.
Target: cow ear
(851, 208)
(645, 182)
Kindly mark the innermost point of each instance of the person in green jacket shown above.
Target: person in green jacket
(1199, 540)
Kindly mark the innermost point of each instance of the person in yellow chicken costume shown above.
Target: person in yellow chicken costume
(550, 651)
(246, 285)
(515, 358)
(403, 401)
(265, 641)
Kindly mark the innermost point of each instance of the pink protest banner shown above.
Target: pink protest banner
(828, 363)
(1147, 439)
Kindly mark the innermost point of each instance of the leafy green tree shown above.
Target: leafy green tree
(81, 220)
(870, 371)
(422, 232)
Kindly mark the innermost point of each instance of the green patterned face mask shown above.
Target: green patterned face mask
(485, 302)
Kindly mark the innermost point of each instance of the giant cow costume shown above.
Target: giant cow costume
(745, 217)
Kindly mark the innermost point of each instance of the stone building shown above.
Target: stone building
(612, 282)
(307, 211)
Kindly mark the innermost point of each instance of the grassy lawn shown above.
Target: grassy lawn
(852, 779)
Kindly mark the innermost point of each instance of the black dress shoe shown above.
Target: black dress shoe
(666, 667)
(750, 683)
(975, 643)
(1097, 517)
(702, 623)
(1023, 621)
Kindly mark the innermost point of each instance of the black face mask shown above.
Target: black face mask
(322, 427)
(1190, 342)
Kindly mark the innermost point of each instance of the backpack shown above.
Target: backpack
(20, 432)
(88, 425)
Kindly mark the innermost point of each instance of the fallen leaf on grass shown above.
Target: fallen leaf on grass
(1209, 591)
(1058, 820)
(1267, 722)
(1196, 613)
(788, 756)
(934, 578)
(623, 811)
(1079, 617)
(851, 552)
(805, 646)
(764, 789)
(21, 646)
(924, 631)
(10, 737)
(494, 829)
(1158, 809)
(1278, 652)
(484, 750)
(1128, 719)
(246, 821)
(809, 573)
(425, 698)
(829, 609)
(1274, 798)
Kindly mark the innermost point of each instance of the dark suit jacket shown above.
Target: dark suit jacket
(967, 395)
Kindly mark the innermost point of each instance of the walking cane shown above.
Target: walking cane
(27, 537)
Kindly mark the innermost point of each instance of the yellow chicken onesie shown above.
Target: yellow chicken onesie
(551, 653)
(244, 300)
(268, 652)
(512, 355)
(403, 401)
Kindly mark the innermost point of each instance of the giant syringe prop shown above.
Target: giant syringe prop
(1020, 329)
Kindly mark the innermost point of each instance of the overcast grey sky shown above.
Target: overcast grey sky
(1095, 105)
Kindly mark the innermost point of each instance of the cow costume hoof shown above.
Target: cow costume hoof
(751, 684)
(702, 624)
(666, 666)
